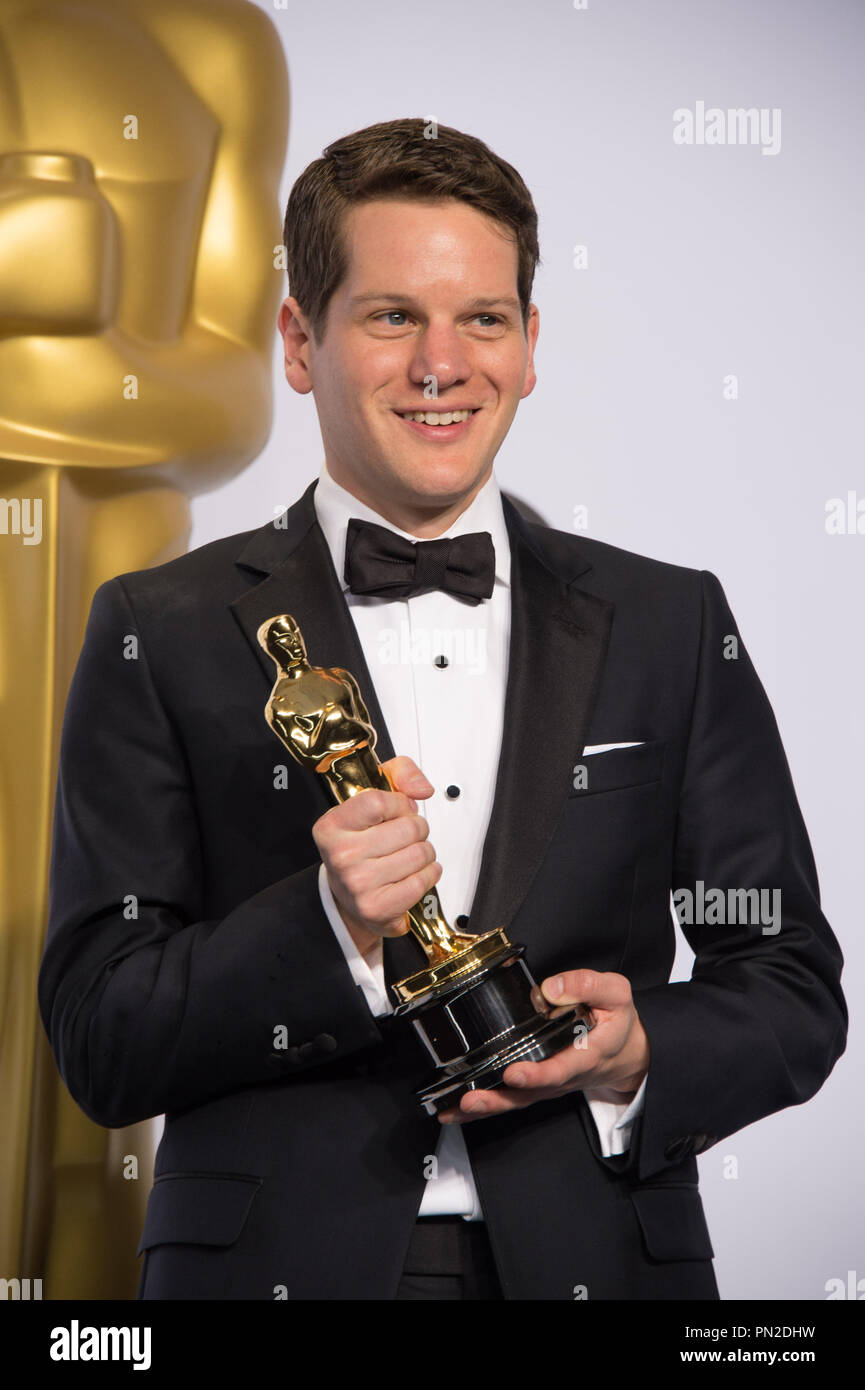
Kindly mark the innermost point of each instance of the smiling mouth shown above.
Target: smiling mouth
(435, 418)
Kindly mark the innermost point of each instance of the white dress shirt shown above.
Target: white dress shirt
(448, 718)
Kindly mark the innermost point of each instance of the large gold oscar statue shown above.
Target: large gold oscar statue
(141, 148)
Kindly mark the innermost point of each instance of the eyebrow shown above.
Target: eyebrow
(507, 301)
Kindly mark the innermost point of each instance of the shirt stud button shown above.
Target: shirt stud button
(441, 661)
(452, 792)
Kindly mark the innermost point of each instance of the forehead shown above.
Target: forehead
(411, 245)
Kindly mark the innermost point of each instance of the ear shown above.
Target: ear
(296, 332)
(532, 327)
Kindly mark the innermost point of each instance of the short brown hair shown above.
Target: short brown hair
(395, 159)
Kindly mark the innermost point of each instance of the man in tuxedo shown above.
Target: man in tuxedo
(582, 742)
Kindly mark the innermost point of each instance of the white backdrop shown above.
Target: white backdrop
(704, 262)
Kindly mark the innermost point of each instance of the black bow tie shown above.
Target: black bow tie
(378, 561)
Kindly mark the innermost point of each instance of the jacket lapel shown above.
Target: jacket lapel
(559, 639)
(300, 580)
(558, 644)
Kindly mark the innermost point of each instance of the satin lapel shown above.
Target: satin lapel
(559, 639)
(300, 580)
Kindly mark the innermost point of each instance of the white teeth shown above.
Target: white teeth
(431, 417)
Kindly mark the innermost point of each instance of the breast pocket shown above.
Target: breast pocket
(616, 769)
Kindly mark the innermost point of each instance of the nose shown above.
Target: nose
(442, 354)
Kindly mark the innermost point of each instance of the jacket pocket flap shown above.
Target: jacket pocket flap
(197, 1209)
(619, 768)
(672, 1222)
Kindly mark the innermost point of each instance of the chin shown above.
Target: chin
(445, 481)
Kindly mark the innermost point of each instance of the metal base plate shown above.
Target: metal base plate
(549, 1036)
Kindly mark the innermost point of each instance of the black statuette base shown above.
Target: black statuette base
(476, 1028)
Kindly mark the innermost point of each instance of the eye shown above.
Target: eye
(494, 319)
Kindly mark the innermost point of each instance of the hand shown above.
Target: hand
(614, 1055)
(377, 854)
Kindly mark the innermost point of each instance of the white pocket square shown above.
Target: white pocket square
(606, 747)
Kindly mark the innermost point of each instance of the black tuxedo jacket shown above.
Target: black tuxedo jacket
(186, 926)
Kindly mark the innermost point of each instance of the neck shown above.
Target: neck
(427, 519)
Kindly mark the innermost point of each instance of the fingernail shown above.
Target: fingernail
(518, 1079)
(420, 783)
(554, 986)
(475, 1105)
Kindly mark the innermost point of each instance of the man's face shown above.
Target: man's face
(429, 301)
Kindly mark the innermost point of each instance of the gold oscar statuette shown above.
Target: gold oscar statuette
(475, 1004)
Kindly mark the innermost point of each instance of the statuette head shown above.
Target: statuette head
(280, 637)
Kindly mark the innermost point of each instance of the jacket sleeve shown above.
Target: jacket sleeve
(762, 1020)
(148, 1006)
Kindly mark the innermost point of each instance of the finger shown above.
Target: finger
(367, 875)
(394, 899)
(405, 775)
(478, 1105)
(371, 806)
(362, 857)
(562, 1069)
(600, 989)
(386, 838)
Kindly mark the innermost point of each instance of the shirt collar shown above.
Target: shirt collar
(334, 506)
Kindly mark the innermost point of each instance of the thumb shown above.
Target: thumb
(404, 775)
(602, 989)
